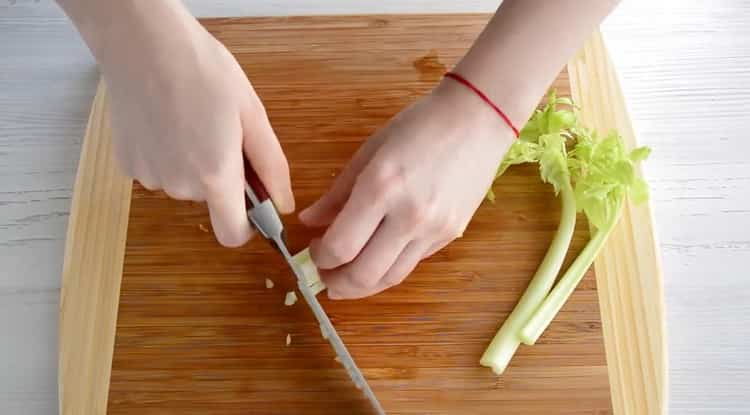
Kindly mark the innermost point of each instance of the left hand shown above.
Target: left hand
(410, 189)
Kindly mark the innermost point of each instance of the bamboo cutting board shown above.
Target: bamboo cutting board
(156, 317)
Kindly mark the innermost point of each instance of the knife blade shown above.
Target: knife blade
(330, 332)
(265, 218)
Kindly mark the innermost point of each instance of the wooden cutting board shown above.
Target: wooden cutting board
(196, 331)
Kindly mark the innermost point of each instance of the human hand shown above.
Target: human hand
(410, 189)
(183, 112)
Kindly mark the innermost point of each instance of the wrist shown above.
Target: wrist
(516, 93)
(470, 109)
(121, 34)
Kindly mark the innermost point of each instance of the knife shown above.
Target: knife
(265, 218)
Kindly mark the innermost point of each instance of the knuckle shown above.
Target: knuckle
(340, 252)
(383, 180)
(414, 215)
(361, 280)
(211, 174)
(418, 213)
(450, 227)
(454, 230)
(212, 183)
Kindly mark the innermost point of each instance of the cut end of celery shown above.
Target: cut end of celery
(497, 369)
(499, 353)
(310, 271)
(527, 338)
(532, 330)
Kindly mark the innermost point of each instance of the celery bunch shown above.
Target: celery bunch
(589, 174)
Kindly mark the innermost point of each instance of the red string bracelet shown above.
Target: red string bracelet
(460, 79)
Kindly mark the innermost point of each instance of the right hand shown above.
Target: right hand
(183, 112)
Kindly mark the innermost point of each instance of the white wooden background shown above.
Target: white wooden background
(685, 70)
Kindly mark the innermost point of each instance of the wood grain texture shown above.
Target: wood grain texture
(628, 267)
(198, 332)
(687, 86)
(92, 270)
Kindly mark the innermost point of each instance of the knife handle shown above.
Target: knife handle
(261, 194)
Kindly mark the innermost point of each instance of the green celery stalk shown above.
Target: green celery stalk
(604, 175)
(543, 140)
(500, 351)
(594, 178)
(543, 316)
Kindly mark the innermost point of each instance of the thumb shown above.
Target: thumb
(265, 154)
(325, 209)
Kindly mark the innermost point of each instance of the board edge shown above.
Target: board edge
(92, 270)
(628, 270)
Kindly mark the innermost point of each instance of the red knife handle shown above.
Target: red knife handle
(254, 182)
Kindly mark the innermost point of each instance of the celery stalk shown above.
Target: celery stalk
(506, 341)
(592, 175)
(535, 326)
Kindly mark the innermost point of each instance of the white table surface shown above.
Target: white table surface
(685, 71)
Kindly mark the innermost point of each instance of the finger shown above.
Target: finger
(405, 264)
(361, 276)
(143, 173)
(401, 268)
(180, 183)
(149, 183)
(147, 179)
(262, 148)
(350, 230)
(325, 209)
(226, 205)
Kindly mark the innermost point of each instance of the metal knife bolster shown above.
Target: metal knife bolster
(267, 221)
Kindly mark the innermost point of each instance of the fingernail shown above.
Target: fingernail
(291, 203)
(287, 205)
(333, 295)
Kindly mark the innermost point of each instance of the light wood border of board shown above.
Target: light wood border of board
(92, 270)
(628, 271)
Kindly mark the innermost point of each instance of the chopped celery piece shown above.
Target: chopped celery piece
(290, 299)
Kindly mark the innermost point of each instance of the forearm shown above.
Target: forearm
(118, 31)
(525, 46)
